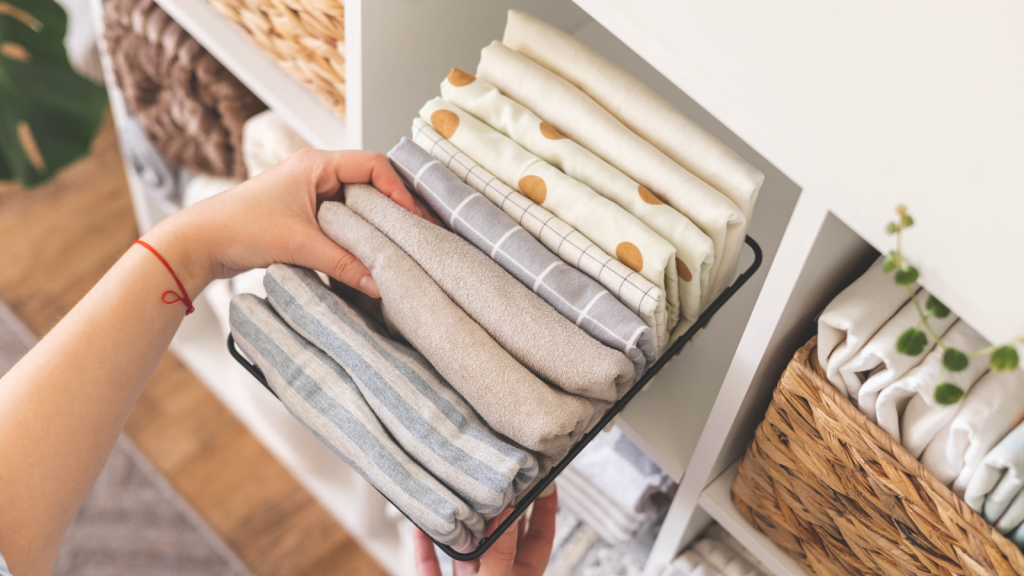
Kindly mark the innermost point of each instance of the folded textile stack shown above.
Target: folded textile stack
(717, 553)
(974, 444)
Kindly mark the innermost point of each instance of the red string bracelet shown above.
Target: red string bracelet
(183, 297)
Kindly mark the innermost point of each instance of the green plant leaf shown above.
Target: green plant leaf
(889, 263)
(936, 308)
(1004, 359)
(911, 342)
(954, 360)
(907, 221)
(906, 276)
(891, 228)
(948, 393)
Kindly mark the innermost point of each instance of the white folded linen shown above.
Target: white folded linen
(995, 490)
(633, 103)
(575, 115)
(854, 316)
(921, 382)
(266, 140)
(722, 535)
(878, 363)
(614, 524)
(723, 558)
(990, 410)
(690, 563)
(201, 187)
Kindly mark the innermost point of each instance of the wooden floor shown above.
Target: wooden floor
(56, 241)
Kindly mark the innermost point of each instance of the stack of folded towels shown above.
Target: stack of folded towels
(586, 233)
(975, 445)
(716, 553)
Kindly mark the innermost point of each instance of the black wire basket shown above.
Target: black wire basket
(614, 411)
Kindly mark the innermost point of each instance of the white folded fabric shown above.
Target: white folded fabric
(853, 317)
(615, 525)
(575, 115)
(633, 103)
(723, 558)
(606, 224)
(995, 490)
(629, 481)
(632, 289)
(266, 140)
(201, 187)
(695, 253)
(878, 363)
(722, 535)
(914, 428)
(990, 410)
(690, 563)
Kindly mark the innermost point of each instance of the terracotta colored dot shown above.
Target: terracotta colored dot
(550, 133)
(459, 78)
(648, 196)
(534, 188)
(683, 271)
(445, 121)
(630, 255)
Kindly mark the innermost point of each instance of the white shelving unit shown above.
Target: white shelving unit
(845, 113)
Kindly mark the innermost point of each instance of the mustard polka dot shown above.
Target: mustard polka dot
(648, 196)
(550, 133)
(445, 121)
(459, 78)
(683, 271)
(534, 188)
(630, 255)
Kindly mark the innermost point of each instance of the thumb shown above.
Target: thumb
(321, 253)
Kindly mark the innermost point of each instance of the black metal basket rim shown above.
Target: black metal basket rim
(614, 411)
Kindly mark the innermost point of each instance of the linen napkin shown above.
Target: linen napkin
(995, 490)
(605, 223)
(422, 412)
(577, 297)
(575, 115)
(853, 317)
(989, 411)
(532, 331)
(266, 140)
(638, 107)
(507, 396)
(914, 428)
(695, 253)
(632, 289)
(327, 401)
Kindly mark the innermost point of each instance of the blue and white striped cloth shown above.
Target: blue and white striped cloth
(323, 396)
(574, 294)
(415, 404)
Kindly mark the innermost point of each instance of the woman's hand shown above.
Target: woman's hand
(272, 218)
(520, 551)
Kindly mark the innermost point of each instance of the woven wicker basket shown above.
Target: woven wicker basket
(840, 496)
(306, 37)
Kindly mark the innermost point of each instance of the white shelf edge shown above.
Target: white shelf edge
(716, 501)
(296, 104)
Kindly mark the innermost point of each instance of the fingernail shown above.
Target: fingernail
(368, 286)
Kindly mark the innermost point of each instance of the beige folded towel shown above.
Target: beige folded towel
(507, 396)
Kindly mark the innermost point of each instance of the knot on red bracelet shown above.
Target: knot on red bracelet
(183, 297)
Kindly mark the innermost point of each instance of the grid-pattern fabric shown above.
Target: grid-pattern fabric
(633, 290)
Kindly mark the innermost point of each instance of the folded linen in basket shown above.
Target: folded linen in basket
(632, 289)
(878, 363)
(995, 490)
(695, 253)
(915, 427)
(326, 400)
(577, 297)
(990, 410)
(604, 222)
(422, 412)
(575, 115)
(266, 140)
(853, 317)
(520, 321)
(637, 106)
(507, 396)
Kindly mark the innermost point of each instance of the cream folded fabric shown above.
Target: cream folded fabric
(878, 363)
(723, 558)
(574, 294)
(632, 289)
(695, 253)
(575, 115)
(266, 140)
(919, 385)
(638, 107)
(605, 223)
(520, 321)
(853, 317)
(989, 411)
(512, 400)
(995, 490)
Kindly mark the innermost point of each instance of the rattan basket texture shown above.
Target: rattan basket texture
(306, 37)
(192, 108)
(840, 496)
